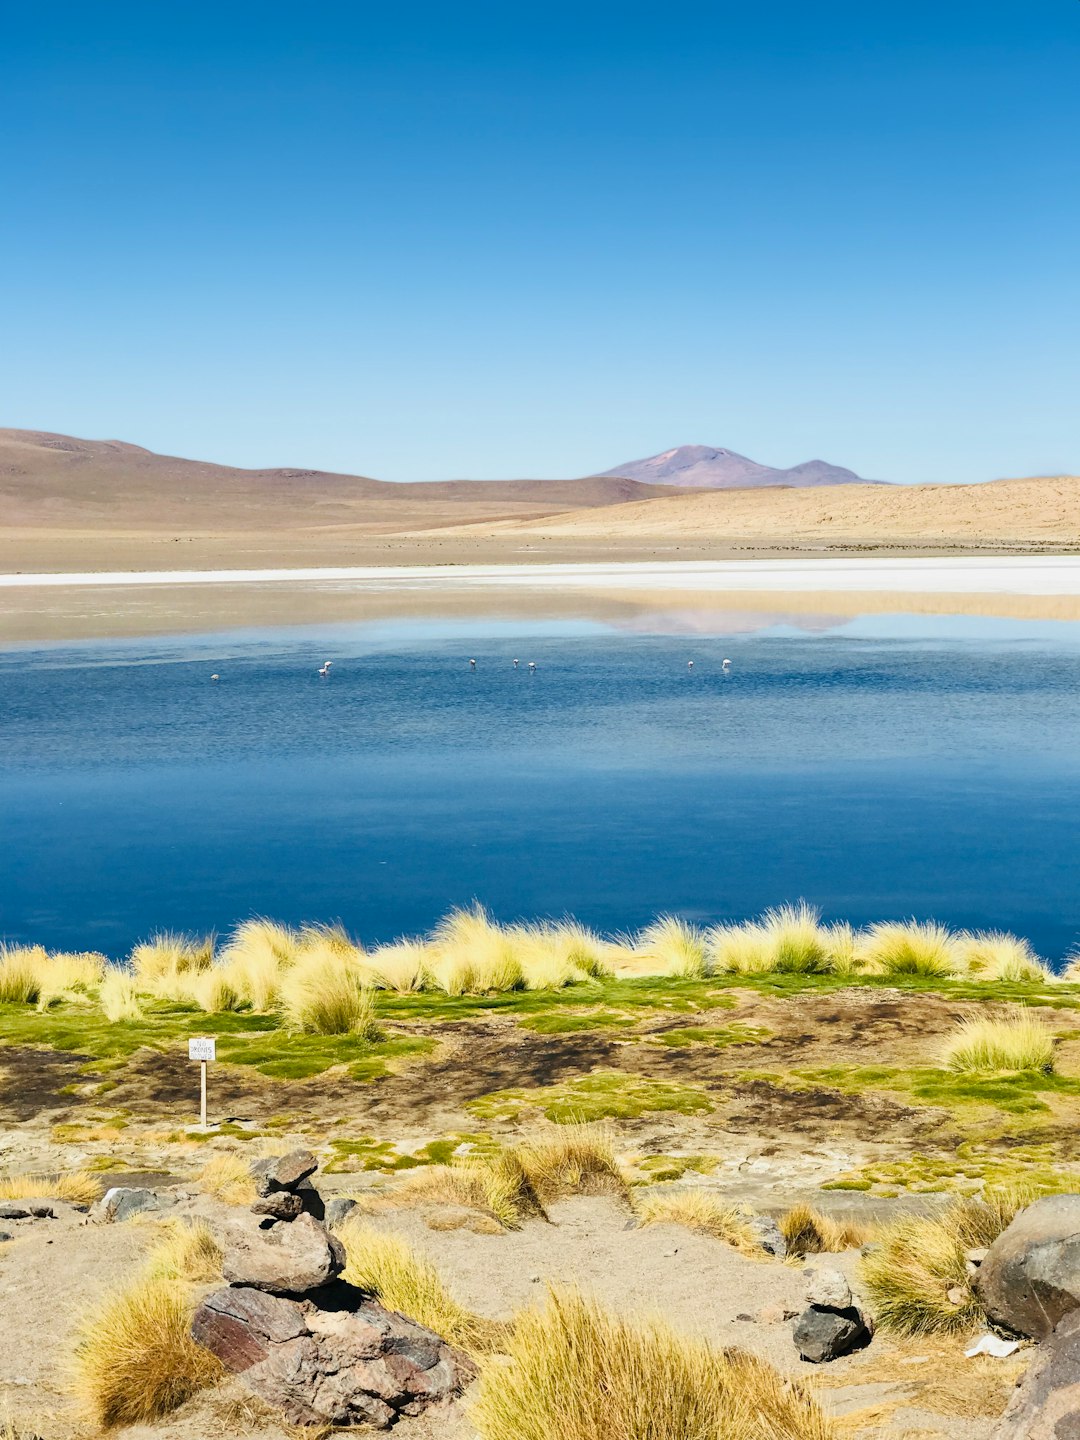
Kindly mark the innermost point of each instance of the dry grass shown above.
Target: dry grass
(909, 947)
(579, 1372)
(671, 946)
(134, 1358)
(1015, 1042)
(165, 965)
(229, 1177)
(995, 955)
(916, 1262)
(941, 1376)
(387, 1266)
(77, 1187)
(494, 1184)
(118, 996)
(324, 993)
(20, 973)
(186, 1251)
(797, 942)
(808, 1232)
(402, 967)
(703, 1211)
(575, 1159)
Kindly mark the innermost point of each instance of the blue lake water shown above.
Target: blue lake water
(879, 768)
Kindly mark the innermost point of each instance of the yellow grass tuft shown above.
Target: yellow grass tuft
(21, 968)
(703, 1211)
(118, 996)
(473, 954)
(909, 947)
(671, 946)
(217, 991)
(386, 1265)
(324, 993)
(77, 1187)
(808, 1232)
(740, 949)
(994, 955)
(186, 1251)
(402, 966)
(165, 965)
(495, 1184)
(1017, 1041)
(573, 1159)
(134, 1357)
(916, 1262)
(575, 1370)
(229, 1177)
(256, 955)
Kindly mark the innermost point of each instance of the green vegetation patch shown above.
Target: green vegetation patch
(1017, 1092)
(382, 1156)
(644, 992)
(969, 1170)
(657, 1169)
(718, 1036)
(605, 1094)
(295, 1057)
(571, 1022)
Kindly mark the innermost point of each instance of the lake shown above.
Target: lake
(879, 767)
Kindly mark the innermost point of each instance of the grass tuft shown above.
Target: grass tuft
(77, 1187)
(703, 1211)
(994, 955)
(808, 1232)
(671, 946)
(1017, 1042)
(118, 996)
(134, 1357)
(909, 947)
(229, 1177)
(324, 994)
(576, 1370)
(386, 1265)
(186, 1251)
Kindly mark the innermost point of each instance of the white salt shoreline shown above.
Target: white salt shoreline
(963, 575)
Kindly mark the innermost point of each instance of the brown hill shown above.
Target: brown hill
(1038, 512)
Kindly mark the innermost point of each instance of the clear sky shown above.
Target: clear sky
(490, 239)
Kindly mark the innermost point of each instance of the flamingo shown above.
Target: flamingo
(472, 664)
(726, 665)
(215, 677)
(324, 669)
(689, 664)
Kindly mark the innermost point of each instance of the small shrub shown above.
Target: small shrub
(324, 994)
(909, 947)
(387, 1266)
(1017, 1042)
(186, 1251)
(994, 955)
(796, 940)
(808, 1232)
(577, 1371)
(674, 947)
(700, 1210)
(134, 1357)
(118, 997)
(77, 1187)
(229, 1177)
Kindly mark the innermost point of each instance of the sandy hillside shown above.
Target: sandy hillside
(1031, 512)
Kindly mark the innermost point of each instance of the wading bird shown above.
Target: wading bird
(324, 669)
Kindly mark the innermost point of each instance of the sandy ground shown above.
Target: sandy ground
(698, 1285)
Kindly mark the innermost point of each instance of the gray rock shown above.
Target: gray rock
(280, 1205)
(283, 1172)
(339, 1209)
(1030, 1277)
(1046, 1404)
(340, 1359)
(828, 1290)
(121, 1203)
(288, 1259)
(827, 1334)
(11, 1210)
(5, 1237)
(768, 1235)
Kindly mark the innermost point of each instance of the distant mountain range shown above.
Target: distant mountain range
(699, 467)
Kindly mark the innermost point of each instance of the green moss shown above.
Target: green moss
(736, 1033)
(657, 1169)
(569, 1023)
(295, 1057)
(968, 1170)
(382, 1156)
(605, 1094)
(1015, 1092)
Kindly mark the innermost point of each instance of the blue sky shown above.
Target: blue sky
(416, 240)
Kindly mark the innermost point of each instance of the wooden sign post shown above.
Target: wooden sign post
(202, 1050)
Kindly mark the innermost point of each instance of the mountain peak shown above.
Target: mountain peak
(703, 467)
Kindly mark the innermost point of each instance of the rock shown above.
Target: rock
(288, 1259)
(283, 1172)
(1046, 1404)
(10, 1210)
(280, 1205)
(827, 1334)
(120, 1203)
(311, 1200)
(339, 1209)
(956, 1295)
(336, 1359)
(5, 1237)
(976, 1255)
(1030, 1276)
(828, 1290)
(768, 1235)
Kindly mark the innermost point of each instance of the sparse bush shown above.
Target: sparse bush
(186, 1251)
(229, 1177)
(324, 994)
(386, 1265)
(579, 1372)
(1017, 1041)
(118, 996)
(675, 948)
(916, 1263)
(134, 1357)
(808, 1232)
(909, 947)
(797, 942)
(994, 955)
(77, 1187)
(701, 1210)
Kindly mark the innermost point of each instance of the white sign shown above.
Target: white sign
(201, 1050)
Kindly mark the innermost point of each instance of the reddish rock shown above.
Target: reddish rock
(336, 1358)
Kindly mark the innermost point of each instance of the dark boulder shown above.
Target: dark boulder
(822, 1335)
(1046, 1404)
(339, 1209)
(283, 1172)
(1029, 1279)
